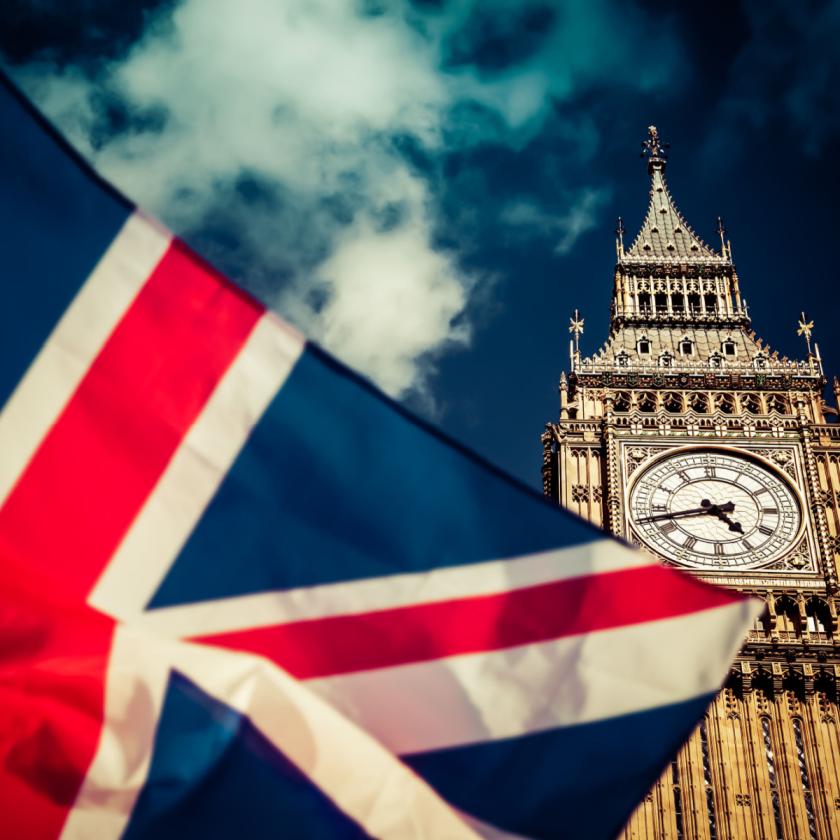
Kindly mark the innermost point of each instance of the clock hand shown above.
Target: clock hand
(706, 507)
(679, 514)
(720, 512)
(726, 507)
(733, 524)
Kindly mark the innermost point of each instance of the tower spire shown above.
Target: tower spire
(666, 236)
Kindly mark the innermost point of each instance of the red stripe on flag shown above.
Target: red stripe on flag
(342, 644)
(99, 462)
(52, 689)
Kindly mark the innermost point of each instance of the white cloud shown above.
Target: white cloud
(389, 298)
(567, 227)
(276, 122)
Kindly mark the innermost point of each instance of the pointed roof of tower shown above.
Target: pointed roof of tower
(665, 235)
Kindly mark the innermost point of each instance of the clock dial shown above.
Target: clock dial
(713, 509)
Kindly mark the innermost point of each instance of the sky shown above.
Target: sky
(429, 188)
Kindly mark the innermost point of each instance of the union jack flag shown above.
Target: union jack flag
(243, 593)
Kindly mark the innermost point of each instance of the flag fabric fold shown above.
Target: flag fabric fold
(243, 589)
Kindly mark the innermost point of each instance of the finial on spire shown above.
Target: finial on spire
(655, 151)
(725, 247)
(619, 237)
(806, 328)
(576, 328)
(576, 324)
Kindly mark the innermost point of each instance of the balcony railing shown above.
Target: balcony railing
(682, 364)
(786, 636)
(832, 432)
(629, 313)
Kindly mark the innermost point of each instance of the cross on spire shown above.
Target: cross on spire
(654, 149)
(576, 328)
(806, 328)
(576, 324)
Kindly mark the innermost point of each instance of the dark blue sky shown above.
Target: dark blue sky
(480, 151)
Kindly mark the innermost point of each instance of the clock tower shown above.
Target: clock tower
(688, 436)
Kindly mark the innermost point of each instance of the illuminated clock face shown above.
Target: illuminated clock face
(714, 509)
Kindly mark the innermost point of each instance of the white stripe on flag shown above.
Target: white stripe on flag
(388, 592)
(387, 799)
(75, 342)
(198, 466)
(516, 691)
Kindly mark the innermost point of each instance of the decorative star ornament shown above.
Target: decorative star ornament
(576, 323)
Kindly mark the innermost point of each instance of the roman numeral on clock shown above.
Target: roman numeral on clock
(770, 511)
(667, 527)
(763, 529)
(718, 549)
(690, 542)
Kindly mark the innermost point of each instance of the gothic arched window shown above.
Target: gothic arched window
(686, 346)
(661, 302)
(707, 778)
(672, 402)
(676, 303)
(762, 684)
(715, 361)
(818, 616)
(711, 303)
(778, 402)
(725, 403)
(694, 304)
(788, 619)
(825, 687)
(751, 403)
(646, 402)
(699, 402)
(622, 401)
(643, 346)
(804, 775)
(760, 361)
(762, 622)
(772, 772)
(728, 348)
(622, 359)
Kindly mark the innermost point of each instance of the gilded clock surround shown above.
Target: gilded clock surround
(682, 370)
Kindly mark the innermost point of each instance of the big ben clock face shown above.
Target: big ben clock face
(715, 509)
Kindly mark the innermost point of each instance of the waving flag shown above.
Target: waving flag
(243, 592)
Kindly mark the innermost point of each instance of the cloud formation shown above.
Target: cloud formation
(300, 145)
